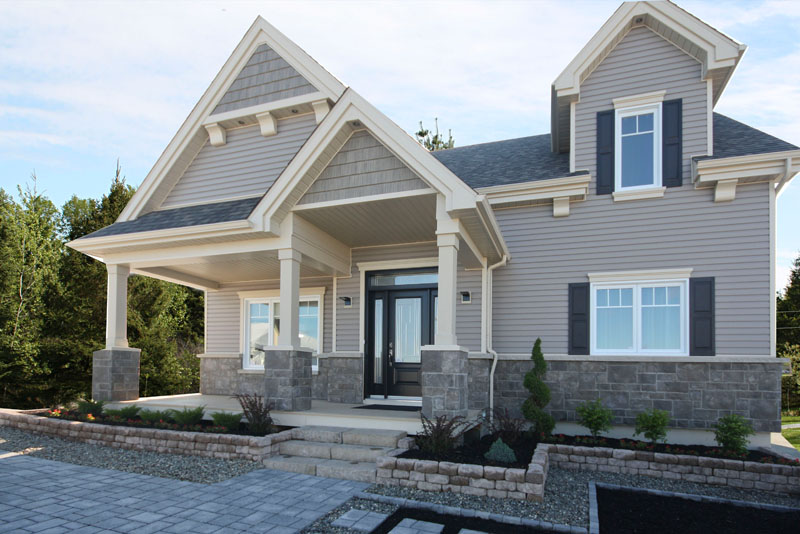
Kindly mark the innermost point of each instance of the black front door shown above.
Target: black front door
(399, 323)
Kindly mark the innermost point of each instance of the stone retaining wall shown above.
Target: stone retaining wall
(227, 446)
(702, 469)
(469, 479)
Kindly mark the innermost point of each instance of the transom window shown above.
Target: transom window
(640, 318)
(638, 147)
(262, 323)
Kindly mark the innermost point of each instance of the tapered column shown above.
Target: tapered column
(289, 335)
(448, 273)
(117, 306)
(115, 369)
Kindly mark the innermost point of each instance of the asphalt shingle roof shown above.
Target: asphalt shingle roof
(511, 161)
(524, 159)
(233, 210)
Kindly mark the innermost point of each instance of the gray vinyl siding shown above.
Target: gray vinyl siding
(362, 167)
(643, 62)
(223, 314)
(468, 316)
(246, 165)
(266, 77)
(728, 241)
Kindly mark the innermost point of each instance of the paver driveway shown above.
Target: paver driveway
(49, 497)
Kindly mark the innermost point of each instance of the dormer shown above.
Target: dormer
(649, 79)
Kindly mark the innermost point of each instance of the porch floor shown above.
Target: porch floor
(322, 413)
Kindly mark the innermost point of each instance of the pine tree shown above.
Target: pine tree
(533, 407)
(788, 310)
(436, 141)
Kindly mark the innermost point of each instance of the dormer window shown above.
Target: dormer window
(638, 147)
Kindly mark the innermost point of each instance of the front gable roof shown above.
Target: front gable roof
(262, 44)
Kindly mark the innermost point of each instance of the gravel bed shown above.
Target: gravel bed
(566, 496)
(323, 524)
(191, 468)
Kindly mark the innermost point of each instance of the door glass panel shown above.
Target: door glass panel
(403, 279)
(259, 333)
(276, 321)
(378, 326)
(408, 329)
(435, 317)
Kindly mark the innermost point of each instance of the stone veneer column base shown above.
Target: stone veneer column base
(115, 374)
(287, 379)
(444, 376)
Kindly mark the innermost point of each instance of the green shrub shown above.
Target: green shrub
(731, 433)
(441, 434)
(653, 425)
(594, 416)
(501, 453)
(93, 407)
(257, 413)
(154, 416)
(128, 412)
(229, 420)
(188, 416)
(533, 407)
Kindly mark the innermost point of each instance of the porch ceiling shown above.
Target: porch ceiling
(378, 222)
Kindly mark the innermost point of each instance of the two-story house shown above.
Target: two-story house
(342, 262)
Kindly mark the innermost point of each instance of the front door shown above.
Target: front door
(400, 322)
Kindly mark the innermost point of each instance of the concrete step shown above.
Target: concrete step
(358, 471)
(372, 437)
(324, 434)
(335, 451)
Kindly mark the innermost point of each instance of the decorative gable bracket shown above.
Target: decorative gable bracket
(559, 191)
(724, 174)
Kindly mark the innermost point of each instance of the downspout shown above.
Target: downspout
(489, 313)
(787, 174)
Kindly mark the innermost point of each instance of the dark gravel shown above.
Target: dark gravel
(323, 524)
(567, 496)
(191, 468)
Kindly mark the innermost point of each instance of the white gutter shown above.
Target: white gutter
(490, 279)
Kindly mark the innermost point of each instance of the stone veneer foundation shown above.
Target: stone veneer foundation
(287, 379)
(444, 379)
(115, 374)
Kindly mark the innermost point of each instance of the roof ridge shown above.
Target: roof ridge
(489, 143)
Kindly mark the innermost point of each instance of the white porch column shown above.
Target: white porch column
(117, 306)
(289, 336)
(448, 271)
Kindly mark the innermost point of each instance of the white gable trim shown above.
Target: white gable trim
(260, 32)
(352, 108)
(720, 51)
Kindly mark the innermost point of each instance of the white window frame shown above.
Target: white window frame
(637, 286)
(621, 113)
(272, 297)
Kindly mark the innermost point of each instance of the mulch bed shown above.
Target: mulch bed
(454, 524)
(692, 450)
(623, 511)
(472, 452)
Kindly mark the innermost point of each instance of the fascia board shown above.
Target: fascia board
(260, 32)
(552, 184)
(713, 170)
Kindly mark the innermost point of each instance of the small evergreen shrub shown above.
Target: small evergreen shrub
(257, 413)
(731, 433)
(594, 416)
(228, 420)
(188, 416)
(653, 425)
(505, 426)
(501, 453)
(93, 407)
(533, 407)
(128, 412)
(154, 416)
(441, 434)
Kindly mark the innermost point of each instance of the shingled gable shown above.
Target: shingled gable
(233, 87)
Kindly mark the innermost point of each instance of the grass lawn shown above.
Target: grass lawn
(786, 419)
(793, 435)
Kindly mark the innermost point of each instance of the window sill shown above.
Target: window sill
(639, 194)
(261, 371)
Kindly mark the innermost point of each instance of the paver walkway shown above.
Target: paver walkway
(49, 497)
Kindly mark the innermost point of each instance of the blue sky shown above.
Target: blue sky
(85, 83)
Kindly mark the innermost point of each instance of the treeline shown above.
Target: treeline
(53, 305)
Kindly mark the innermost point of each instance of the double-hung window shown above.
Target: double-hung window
(643, 317)
(638, 147)
(262, 324)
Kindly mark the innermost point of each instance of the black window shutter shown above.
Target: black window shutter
(701, 317)
(578, 318)
(605, 152)
(672, 143)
